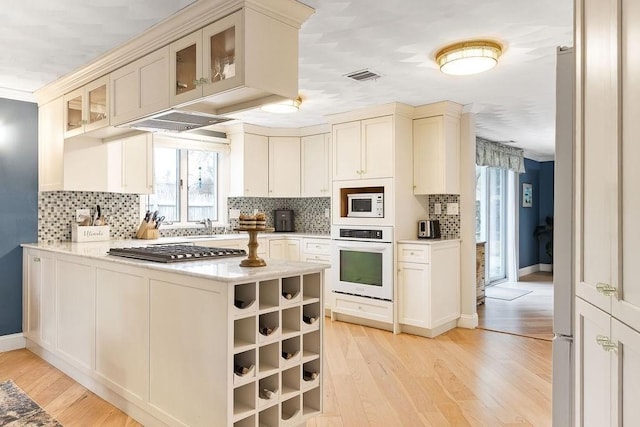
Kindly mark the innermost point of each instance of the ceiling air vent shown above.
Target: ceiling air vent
(362, 75)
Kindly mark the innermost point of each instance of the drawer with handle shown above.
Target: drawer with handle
(316, 246)
(414, 253)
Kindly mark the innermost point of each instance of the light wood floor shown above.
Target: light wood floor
(529, 315)
(372, 378)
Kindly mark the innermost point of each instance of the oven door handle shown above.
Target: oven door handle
(361, 248)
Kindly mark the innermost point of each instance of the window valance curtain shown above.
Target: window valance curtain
(496, 155)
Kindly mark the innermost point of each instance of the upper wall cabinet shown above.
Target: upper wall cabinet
(436, 155)
(140, 88)
(51, 146)
(315, 167)
(243, 59)
(363, 149)
(284, 166)
(249, 163)
(86, 109)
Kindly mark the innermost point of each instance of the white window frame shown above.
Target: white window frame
(219, 145)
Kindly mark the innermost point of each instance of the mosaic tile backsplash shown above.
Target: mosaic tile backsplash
(57, 210)
(449, 224)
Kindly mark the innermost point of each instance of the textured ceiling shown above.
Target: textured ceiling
(43, 40)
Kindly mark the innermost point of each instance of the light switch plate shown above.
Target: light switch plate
(81, 214)
(234, 213)
(437, 208)
(452, 209)
(327, 213)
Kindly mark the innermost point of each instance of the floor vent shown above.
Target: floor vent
(362, 75)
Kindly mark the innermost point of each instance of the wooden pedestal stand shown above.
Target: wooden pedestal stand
(252, 260)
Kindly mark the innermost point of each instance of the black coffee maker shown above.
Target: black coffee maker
(283, 219)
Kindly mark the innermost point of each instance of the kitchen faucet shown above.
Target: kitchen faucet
(208, 225)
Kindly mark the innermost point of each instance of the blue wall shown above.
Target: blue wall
(540, 176)
(18, 203)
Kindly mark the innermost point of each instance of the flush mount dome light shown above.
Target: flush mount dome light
(287, 106)
(468, 57)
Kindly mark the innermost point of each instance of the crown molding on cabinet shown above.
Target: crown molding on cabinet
(393, 108)
(17, 95)
(266, 131)
(188, 20)
(448, 108)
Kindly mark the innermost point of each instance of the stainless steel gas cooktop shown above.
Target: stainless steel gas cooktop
(175, 253)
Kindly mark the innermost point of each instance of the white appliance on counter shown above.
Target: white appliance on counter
(362, 257)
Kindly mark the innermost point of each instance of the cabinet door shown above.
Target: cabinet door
(625, 391)
(413, 294)
(40, 299)
(185, 73)
(76, 297)
(256, 165)
(346, 151)
(377, 148)
(593, 366)
(597, 167)
(51, 145)
(445, 283)
(284, 166)
(626, 306)
(97, 104)
(73, 113)
(315, 168)
(137, 164)
(223, 53)
(122, 330)
(328, 273)
(292, 249)
(277, 249)
(436, 143)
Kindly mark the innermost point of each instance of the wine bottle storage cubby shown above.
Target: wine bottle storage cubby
(269, 359)
(290, 410)
(290, 351)
(250, 421)
(291, 290)
(244, 333)
(269, 417)
(312, 287)
(311, 374)
(291, 318)
(311, 346)
(311, 402)
(269, 294)
(290, 384)
(244, 367)
(244, 299)
(269, 326)
(311, 316)
(268, 390)
(244, 400)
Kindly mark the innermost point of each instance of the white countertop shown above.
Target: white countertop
(223, 269)
(427, 241)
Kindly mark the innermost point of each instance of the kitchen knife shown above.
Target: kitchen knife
(147, 216)
(155, 216)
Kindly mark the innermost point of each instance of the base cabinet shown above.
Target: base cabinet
(428, 287)
(287, 249)
(607, 369)
(319, 251)
(39, 299)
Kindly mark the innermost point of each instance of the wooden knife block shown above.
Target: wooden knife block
(147, 231)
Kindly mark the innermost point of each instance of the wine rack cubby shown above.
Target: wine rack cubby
(269, 294)
(291, 290)
(269, 326)
(244, 299)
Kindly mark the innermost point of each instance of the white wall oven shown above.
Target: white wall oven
(363, 260)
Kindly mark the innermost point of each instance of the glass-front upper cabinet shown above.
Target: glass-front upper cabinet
(207, 61)
(87, 108)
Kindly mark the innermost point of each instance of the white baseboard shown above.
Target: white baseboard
(12, 342)
(534, 269)
(546, 267)
(468, 321)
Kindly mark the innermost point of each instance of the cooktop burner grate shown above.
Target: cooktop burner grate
(175, 253)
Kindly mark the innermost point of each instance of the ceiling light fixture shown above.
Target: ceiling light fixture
(287, 106)
(469, 57)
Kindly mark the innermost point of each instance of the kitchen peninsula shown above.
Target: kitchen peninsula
(189, 343)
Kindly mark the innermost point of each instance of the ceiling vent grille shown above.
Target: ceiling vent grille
(363, 75)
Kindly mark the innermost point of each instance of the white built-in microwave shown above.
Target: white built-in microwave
(365, 205)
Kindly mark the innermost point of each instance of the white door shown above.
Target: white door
(377, 148)
(284, 166)
(346, 151)
(256, 165)
(625, 390)
(413, 293)
(315, 175)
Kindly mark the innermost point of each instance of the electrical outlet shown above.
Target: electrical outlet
(234, 213)
(255, 211)
(437, 208)
(81, 214)
(452, 209)
(327, 213)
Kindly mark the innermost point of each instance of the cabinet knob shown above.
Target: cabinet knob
(606, 343)
(196, 82)
(411, 253)
(203, 81)
(606, 289)
(36, 259)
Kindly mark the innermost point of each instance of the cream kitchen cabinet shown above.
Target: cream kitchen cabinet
(51, 146)
(140, 88)
(249, 161)
(39, 298)
(315, 175)
(284, 166)
(236, 57)
(136, 163)
(319, 251)
(287, 249)
(607, 370)
(363, 149)
(86, 109)
(428, 282)
(436, 155)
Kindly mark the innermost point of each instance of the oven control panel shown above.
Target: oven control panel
(361, 234)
